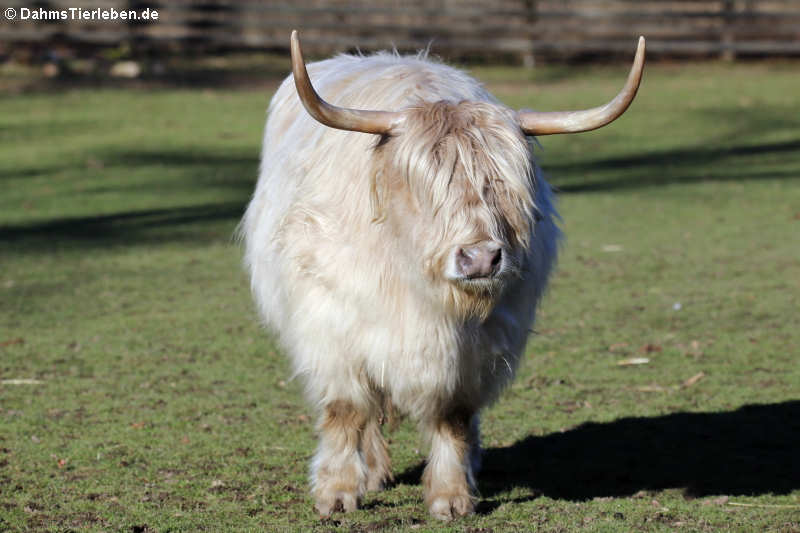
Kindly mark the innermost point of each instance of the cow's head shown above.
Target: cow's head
(454, 181)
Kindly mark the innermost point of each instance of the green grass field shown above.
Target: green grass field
(161, 405)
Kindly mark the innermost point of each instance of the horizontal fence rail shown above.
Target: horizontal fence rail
(526, 29)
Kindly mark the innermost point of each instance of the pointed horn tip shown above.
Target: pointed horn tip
(639, 57)
(296, 53)
(294, 42)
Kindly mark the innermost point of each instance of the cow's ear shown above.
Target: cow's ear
(383, 139)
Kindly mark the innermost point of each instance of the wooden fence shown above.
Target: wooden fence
(523, 29)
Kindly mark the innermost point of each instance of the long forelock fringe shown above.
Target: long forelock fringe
(472, 140)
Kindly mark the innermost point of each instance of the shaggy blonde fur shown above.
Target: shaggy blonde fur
(348, 240)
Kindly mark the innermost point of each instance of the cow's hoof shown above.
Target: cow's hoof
(336, 502)
(376, 481)
(449, 506)
(375, 485)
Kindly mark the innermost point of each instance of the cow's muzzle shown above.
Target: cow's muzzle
(482, 260)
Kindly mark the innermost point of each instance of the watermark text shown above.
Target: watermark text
(79, 14)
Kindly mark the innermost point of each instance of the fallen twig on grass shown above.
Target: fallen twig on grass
(661, 388)
(633, 361)
(652, 388)
(768, 505)
(21, 382)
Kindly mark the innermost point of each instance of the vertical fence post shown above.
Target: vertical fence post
(728, 51)
(529, 55)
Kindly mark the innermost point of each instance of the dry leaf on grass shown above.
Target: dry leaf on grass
(11, 342)
(694, 349)
(650, 348)
(694, 379)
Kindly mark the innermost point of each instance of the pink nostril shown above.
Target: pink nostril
(480, 260)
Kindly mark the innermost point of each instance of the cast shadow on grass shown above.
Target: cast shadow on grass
(749, 451)
(150, 226)
(682, 165)
(183, 176)
(737, 150)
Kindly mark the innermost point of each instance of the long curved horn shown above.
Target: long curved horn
(550, 122)
(378, 122)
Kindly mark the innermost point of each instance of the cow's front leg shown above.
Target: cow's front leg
(338, 471)
(376, 455)
(448, 476)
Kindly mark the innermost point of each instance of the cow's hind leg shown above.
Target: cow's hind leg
(338, 470)
(448, 476)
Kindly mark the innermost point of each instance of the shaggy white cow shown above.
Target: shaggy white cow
(400, 261)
